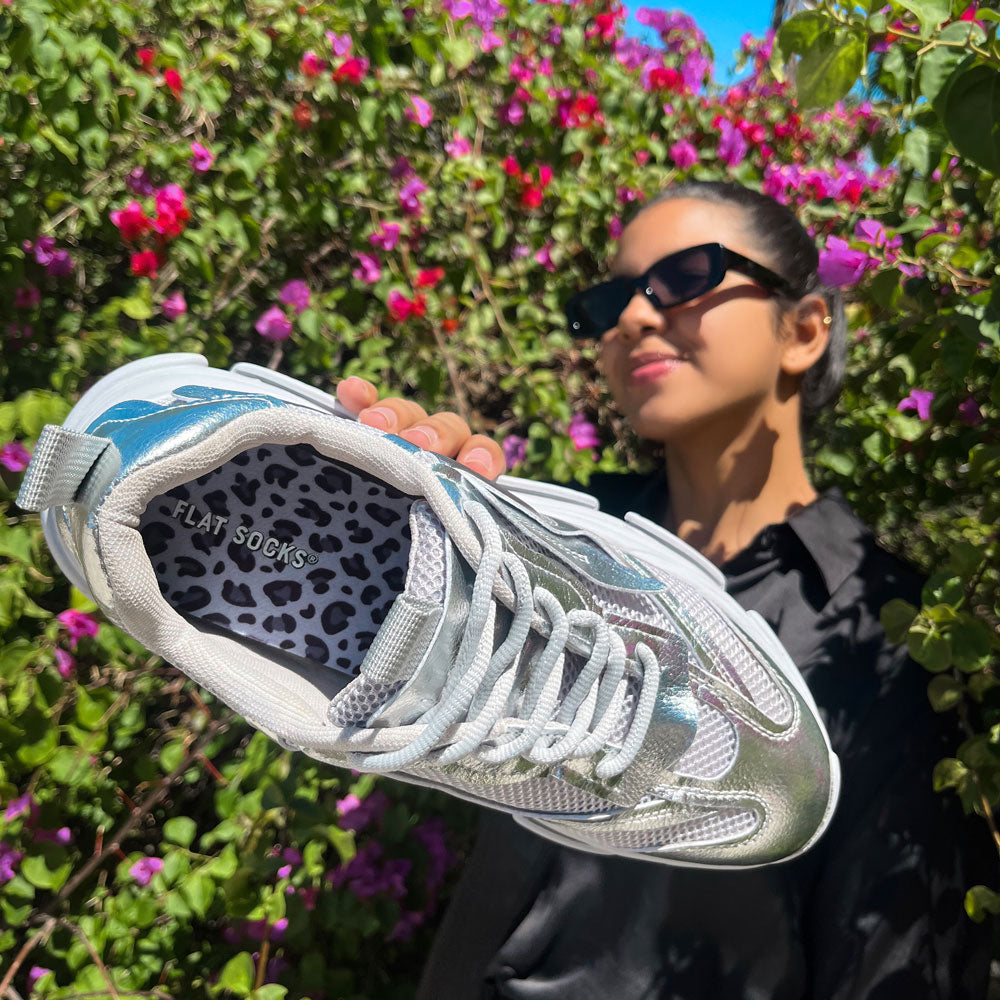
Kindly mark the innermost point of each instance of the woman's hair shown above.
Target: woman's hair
(790, 251)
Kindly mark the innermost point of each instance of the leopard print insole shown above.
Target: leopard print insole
(284, 546)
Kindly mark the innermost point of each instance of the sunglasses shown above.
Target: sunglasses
(678, 277)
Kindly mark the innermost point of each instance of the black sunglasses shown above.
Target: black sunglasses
(678, 277)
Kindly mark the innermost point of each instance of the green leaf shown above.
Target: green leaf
(270, 992)
(930, 13)
(896, 617)
(180, 830)
(828, 70)
(949, 773)
(460, 52)
(929, 648)
(970, 646)
(198, 890)
(944, 693)
(799, 33)
(970, 109)
(940, 62)
(237, 974)
(981, 901)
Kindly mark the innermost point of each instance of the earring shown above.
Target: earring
(827, 320)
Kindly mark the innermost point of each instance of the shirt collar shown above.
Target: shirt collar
(828, 528)
(833, 536)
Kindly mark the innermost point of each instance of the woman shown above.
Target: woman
(727, 380)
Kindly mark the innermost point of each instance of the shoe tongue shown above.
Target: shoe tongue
(405, 635)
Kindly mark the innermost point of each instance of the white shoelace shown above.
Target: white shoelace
(480, 682)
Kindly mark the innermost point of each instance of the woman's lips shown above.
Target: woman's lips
(650, 371)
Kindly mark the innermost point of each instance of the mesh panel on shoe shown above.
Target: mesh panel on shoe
(732, 660)
(427, 556)
(713, 749)
(707, 826)
(357, 701)
(543, 794)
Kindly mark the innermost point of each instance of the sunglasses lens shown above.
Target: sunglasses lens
(684, 276)
(596, 310)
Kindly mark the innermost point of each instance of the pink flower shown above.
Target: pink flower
(174, 305)
(26, 297)
(274, 324)
(144, 264)
(311, 65)
(8, 862)
(387, 237)
(684, 154)
(409, 196)
(732, 146)
(131, 221)
(201, 159)
(544, 257)
(615, 227)
(18, 807)
(145, 868)
(341, 44)
(369, 269)
(840, 265)
(356, 814)
(78, 624)
(515, 449)
(62, 836)
(138, 181)
(14, 456)
(65, 663)
(583, 433)
(404, 927)
(970, 413)
(429, 277)
(173, 80)
(419, 111)
(459, 145)
(295, 293)
(919, 400)
(35, 973)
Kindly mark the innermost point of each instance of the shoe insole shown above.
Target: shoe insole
(284, 546)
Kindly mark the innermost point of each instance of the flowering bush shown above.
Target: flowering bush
(409, 193)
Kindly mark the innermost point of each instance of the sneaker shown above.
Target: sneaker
(382, 608)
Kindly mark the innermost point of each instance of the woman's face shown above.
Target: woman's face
(731, 356)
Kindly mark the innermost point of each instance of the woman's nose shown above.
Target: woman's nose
(638, 317)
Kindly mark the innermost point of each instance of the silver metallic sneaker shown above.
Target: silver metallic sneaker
(379, 607)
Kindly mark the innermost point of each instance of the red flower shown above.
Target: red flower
(350, 71)
(131, 221)
(419, 306)
(302, 115)
(531, 197)
(147, 57)
(429, 278)
(145, 263)
(665, 78)
(173, 80)
(449, 325)
(510, 167)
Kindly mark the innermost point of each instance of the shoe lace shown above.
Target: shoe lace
(479, 684)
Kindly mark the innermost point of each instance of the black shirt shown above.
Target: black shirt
(873, 911)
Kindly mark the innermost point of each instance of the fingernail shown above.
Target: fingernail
(422, 437)
(479, 460)
(378, 417)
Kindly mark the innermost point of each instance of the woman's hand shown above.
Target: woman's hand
(444, 433)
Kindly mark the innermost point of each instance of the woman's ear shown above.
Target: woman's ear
(807, 332)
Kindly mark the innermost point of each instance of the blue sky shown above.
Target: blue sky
(723, 24)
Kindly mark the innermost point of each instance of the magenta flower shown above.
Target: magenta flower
(138, 182)
(78, 624)
(60, 264)
(401, 169)
(419, 111)
(35, 973)
(18, 807)
(131, 221)
(615, 227)
(732, 146)
(14, 456)
(201, 159)
(515, 449)
(311, 65)
(145, 868)
(356, 814)
(64, 663)
(970, 413)
(369, 269)
(174, 305)
(274, 324)
(387, 237)
(295, 293)
(459, 145)
(26, 297)
(408, 922)
(583, 433)
(8, 862)
(840, 265)
(919, 400)
(341, 44)
(61, 836)
(544, 257)
(409, 196)
(684, 154)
